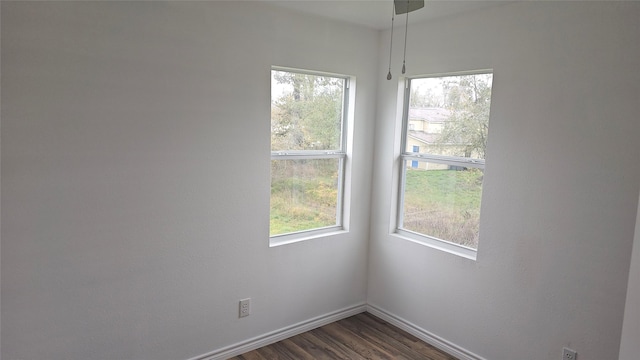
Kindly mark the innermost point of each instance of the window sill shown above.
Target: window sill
(437, 244)
(286, 239)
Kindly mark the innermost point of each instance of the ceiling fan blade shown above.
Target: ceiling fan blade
(404, 6)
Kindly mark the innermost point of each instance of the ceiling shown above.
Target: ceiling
(376, 14)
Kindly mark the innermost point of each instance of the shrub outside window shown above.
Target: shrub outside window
(308, 155)
(445, 128)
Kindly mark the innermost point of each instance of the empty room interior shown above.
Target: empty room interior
(138, 172)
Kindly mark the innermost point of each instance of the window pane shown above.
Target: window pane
(304, 194)
(450, 115)
(443, 201)
(306, 111)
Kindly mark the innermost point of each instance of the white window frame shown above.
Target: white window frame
(406, 157)
(341, 154)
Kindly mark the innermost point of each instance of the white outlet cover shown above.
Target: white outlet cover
(568, 354)
(244, 307)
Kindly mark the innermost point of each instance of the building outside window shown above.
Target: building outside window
(446, 126)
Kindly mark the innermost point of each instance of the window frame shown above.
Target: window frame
(406, 157)
(340, 154)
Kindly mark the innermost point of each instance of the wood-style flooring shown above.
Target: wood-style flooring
(361, 336)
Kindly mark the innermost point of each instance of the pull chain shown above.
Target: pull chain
(393, 12)
(406, 28)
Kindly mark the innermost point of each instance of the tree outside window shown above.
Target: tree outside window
(307, 151)
(445, 140)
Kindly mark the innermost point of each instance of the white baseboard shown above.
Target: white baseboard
(289, 331)
(424, 335)
(281, 334)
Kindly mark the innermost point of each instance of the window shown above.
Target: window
(308, 141)
(446, 123)
(416, 149)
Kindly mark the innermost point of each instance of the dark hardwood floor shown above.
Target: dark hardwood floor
(361, 336)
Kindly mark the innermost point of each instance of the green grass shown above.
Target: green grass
(441, 203)
(444, 204)
(461, 188)
(302, 204)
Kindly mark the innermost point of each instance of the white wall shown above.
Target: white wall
(629, 345)
(135, 177)
(561, 183)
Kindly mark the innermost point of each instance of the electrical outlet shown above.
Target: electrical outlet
(568, 354)
(245, 307)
